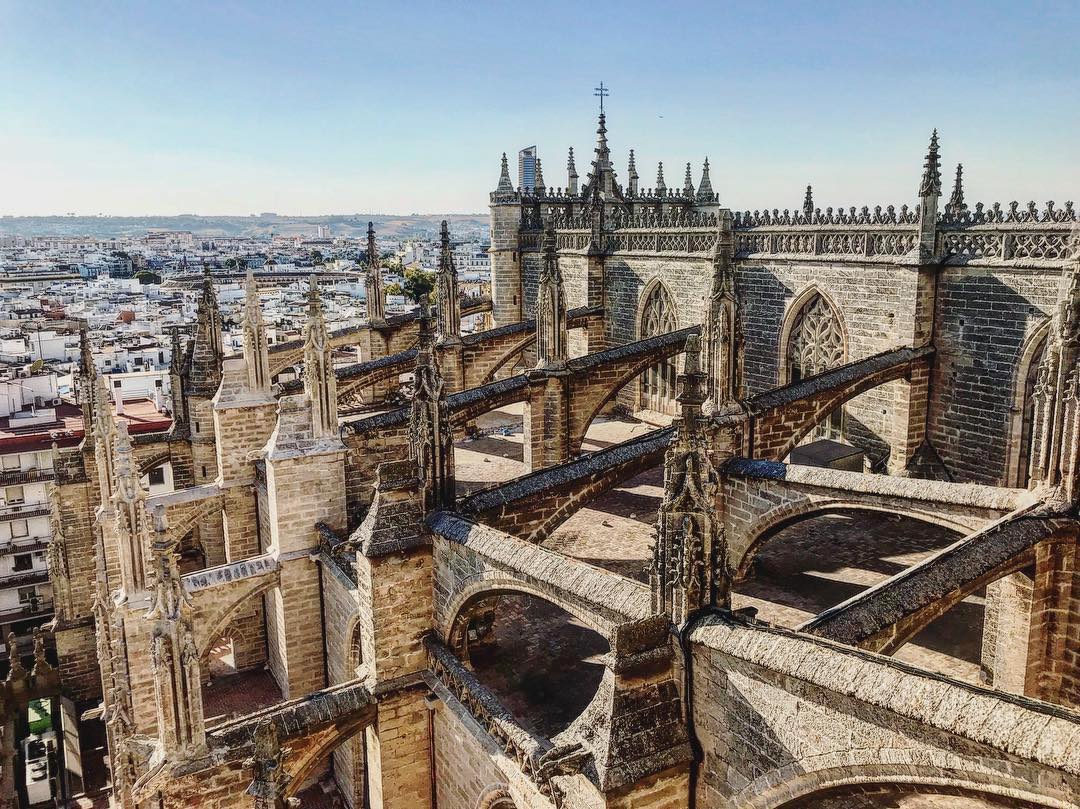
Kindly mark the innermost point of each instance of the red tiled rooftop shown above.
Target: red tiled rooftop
(67, 430)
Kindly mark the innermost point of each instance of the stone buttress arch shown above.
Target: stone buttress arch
(905, 768)
(765, 527)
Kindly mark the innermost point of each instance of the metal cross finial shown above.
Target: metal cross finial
(601, 92)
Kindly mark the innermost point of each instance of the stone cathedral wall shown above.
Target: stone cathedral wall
(985, 317)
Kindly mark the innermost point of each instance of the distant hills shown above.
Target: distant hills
(351, 225)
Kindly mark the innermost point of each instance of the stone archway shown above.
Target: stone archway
(658, 316)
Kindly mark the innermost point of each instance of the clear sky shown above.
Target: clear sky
(155, 107)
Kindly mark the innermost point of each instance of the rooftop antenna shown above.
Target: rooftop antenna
(601, 92)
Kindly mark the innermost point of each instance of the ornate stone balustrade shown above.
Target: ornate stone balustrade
(984, 235)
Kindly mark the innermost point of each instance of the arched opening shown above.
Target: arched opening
(493, 452)
(803, 567)
(815, 343)
(658, 316)
(192, 554)
(542, 663)
(235, 677)
(1025, 409)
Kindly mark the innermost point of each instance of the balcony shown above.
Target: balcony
(24, 612)
(24, 545)
(24, 578)
(21, 511)
(14, 477)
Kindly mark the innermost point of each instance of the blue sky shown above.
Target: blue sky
(307, 108)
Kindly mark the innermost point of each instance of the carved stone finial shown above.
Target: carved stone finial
(320, 382)
(661, 186)
(505, 187)
(931, 179)
(688, 183)
(256, 347)
(705, 194)
(956, 204)
(808, 202)
(551, 334)
(17, 671)
(539, 188)
(448, 313)
(571, 174)
(374, 293)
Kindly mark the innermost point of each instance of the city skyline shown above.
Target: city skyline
(358, 110)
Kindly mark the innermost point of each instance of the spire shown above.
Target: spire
(705, 195)
(661, 186)
(256, 349)
(601, 182)
(431, 442)
(931, 179)
(688, 183)
(571, 174)
(104, 426)
(505, 186)
(85, 379)
(808, 202)
(373, 282)
(539, 188)
(320, 383)
(720, 336)
(448, 319)
(207, 353)
(176, 381)
(550, 309)
(956, 204)
(129, 500)
(689, 558)
(632, 176)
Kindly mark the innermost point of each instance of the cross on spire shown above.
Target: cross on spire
(601, 92)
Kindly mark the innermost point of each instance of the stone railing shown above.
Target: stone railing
(991, 235)
(996, 239)
(537, 758)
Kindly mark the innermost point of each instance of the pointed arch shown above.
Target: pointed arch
(657, 314)
(1021, 414)
(813, 339)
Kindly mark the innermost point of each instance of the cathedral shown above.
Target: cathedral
(854, 435)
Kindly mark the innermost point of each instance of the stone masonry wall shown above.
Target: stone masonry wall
(781, 717)
(469, 766)
(984, 316)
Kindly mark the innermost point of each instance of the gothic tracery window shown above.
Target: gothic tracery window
(658, 388)
(815, 345)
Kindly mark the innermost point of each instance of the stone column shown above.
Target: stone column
(305, 485)
(1007, 632)
(546, 415)
(1053, 660)
(394, 583)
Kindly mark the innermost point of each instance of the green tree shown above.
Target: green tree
(147, 277)
(316, 257)
(394, 289)
(418, 283)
